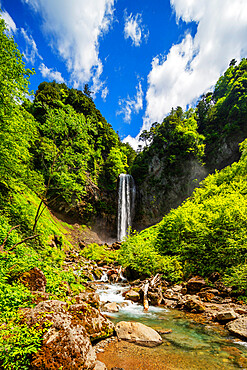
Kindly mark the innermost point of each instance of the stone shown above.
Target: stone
(206, 296)
(138, 333)
(91, 298)
(99, 366)
(66, 343)
(132, 295)
(193, 304)
(113, 278)
(111, 307)
(214, 276)
(226, 315)
(241, 311)
(238, 327)
(195, 284)
(155, 296)
(224, 290)
(170, 303)
(34, 279)
(96, 324)
(177, 288)
(171, 294)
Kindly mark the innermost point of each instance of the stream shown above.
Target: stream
(190, 345)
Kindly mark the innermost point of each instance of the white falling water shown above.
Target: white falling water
(126, 200)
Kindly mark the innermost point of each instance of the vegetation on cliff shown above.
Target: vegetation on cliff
(206, 234)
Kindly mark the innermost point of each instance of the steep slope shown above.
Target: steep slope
(187, 146)
(206, 234)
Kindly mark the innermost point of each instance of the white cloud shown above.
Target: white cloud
(50, 74)
(9, 22)
(134, 29)
(75, 28)
(193, 66)
(131, 105)
(31, 51)
(104, 93)
(133, 141)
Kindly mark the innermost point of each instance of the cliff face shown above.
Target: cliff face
(165, 187)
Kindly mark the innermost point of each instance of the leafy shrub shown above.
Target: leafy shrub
(237, 278)
(17, 344)
(97, 252)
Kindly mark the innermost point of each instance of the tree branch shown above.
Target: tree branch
(6, 237)
(23, 241)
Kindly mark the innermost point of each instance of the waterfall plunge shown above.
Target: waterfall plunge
(126, 200)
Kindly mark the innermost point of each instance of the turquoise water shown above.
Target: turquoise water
(191, 344)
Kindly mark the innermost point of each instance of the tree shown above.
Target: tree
(17, 126)
(87, 91)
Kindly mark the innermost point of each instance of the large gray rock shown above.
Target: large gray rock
(96, 324)
(66, 344)
(238, 327)
(89, 297)
(193, 304)
(111, 307)
(132, 295)
(138, 333)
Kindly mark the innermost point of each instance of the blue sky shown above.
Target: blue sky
(140, 58)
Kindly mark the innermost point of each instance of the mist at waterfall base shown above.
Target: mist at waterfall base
(190, 345)
(126, 203)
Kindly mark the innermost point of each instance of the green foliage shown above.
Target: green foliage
(17, 344)
(172, 141)
(97, 253)
(138, 253)
(224, 111)
(79, 150)
(115, 164)
(237, 278)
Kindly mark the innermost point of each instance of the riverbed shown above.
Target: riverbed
(187, 344)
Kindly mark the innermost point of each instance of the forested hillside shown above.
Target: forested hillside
(206, 234)
(190, 144)
(55, 152)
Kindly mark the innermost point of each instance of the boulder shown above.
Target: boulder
(97, 325)
(138, 333)
(132, 295)
(226, 315)
(34, 279)
(224, 290)
(238, 327)
(113, 278)
(170, 303)
(110, 307)
(66, 343)
(193, 304)
(171, 294)
(91, 298)
(195, 284)
(155, 297)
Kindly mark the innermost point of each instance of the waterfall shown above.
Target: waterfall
(126, 200)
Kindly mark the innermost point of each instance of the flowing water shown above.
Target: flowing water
(126, 200)
(190, 345)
